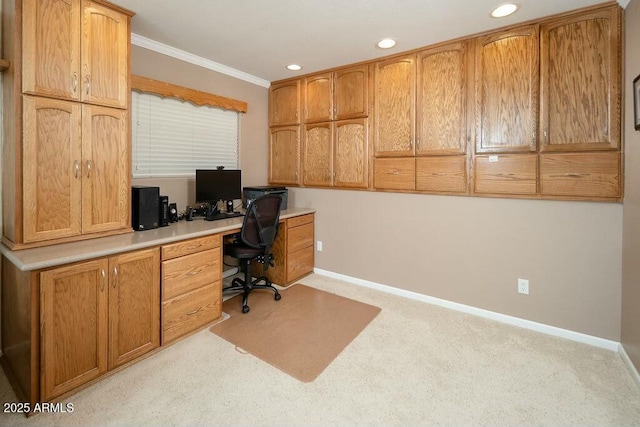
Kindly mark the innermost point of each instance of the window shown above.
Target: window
(174, 138)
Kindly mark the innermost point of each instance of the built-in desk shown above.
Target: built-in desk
(73, 313)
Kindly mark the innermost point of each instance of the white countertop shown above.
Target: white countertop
(65, 253)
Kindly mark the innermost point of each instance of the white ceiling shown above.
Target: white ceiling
(256, 39)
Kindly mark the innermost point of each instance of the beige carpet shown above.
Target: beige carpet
(301, 334)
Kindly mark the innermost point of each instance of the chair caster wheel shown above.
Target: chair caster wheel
(277, 297)
(245, 309)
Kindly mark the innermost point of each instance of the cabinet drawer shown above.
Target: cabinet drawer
(299, 237)
(299, 263)
(299, 220)
(444, 174)
(580, 175)
(506, 174)
(187, 247)
(184, 274)
(395, 174)
(190, 311)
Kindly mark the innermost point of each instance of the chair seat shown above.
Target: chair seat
(238, 250)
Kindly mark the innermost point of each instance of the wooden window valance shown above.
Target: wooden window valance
(168, 90)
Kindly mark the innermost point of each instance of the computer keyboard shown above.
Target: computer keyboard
(223, 215)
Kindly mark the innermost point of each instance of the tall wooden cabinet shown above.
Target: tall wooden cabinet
(66, 160)
(96, 316)
(284, 133)
(335, 137)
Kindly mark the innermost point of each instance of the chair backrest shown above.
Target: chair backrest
(260, 225)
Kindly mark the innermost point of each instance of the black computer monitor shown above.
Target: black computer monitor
(218, 184)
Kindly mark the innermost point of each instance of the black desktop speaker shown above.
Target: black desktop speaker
(173, 212)
(163, 220)
(145, 207)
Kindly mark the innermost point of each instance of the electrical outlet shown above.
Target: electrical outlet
(319, 246)
(523, 286)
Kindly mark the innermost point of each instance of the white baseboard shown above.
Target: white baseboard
(516, 321)
(627, 361)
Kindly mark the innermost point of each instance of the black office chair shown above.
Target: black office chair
(259, 231)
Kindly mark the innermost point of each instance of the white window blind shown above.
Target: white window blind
(174, 138)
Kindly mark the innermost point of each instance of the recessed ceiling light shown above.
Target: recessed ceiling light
(294, 67)
(386, 43)
(504, 10)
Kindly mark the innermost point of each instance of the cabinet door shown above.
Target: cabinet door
(442, 100)
(351, 155)
(284, 155)
(580, 82)
(134, 305)
(507, 91)
(51, 174)
(51, 48)
(284, 104)
(105, 56)
(351, 93)
(318, 153)
(318, 98)
(106, 169)
(395, 88)
(73, 316)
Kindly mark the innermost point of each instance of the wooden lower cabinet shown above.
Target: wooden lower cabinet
(191, 286)
(96, 316)
(293, 251)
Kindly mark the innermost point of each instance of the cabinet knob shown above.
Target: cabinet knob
(74, 82)
(115, 276)
(104, 277)
(88, 168)
(76, 168)
(87, 83)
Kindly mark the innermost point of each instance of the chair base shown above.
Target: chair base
(247, 285)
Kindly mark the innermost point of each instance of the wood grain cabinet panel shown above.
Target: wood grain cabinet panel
(395, 174)
(351, 154)
(442, 100)
(77, 50)
(394, 98)
(351, 92)
(318, 98)
(284, 104)
(442, 174)
(317, 169)
(580, 82)
(507, 91)
(284, 155)
(191, 285)
(581, 175)
(506, 174)
(95, 316)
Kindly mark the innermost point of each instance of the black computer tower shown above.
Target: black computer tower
(145, 207)
(163, 219)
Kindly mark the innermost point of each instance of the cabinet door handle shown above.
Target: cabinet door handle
(104, 277)
(88, 83)
(115, 276)
(74, 82)
(76, 168)
(191, 313)
(393, 173)
(88, 168)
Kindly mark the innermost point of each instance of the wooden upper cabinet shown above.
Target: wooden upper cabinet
(284, 155)
(580, 82)
(394, 93)
(105, 169)
(506, 83)
(77, 50)
(340, 95)
(318, 98)
(284, 104)
(351, 92)
(52, 175)
(351, 156)
(105, 56)
(442, 100)
(317, 167)
(51, 48)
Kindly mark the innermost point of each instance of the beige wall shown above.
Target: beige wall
(253, 124)
(631, 225)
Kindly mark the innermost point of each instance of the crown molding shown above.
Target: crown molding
(164, 49)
